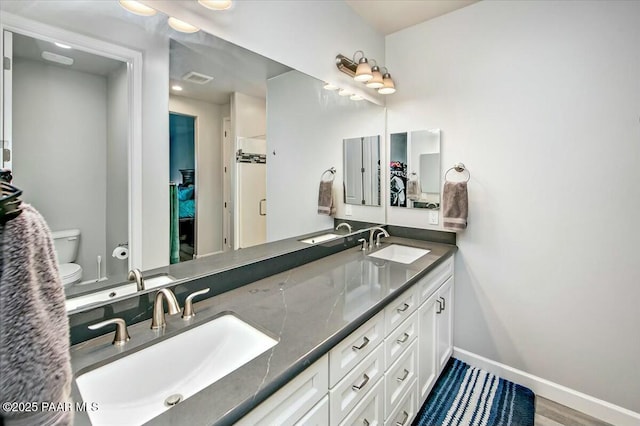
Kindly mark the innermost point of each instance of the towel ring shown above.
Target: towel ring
(332, 171)
(460, 168)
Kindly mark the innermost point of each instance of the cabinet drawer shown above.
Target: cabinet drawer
(294, 400)
(352, 389)
(370, 410)
(434, 279)
(400, 309)
(355, 347)
(400, 339)
(399, 377)
(406, 410)
(318, 415)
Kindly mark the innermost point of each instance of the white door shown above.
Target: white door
(252, 203)
(445, 322)
(7, 96)
(427, 346)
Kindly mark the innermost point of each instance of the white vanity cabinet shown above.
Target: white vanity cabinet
(302, 398)
(435, 323)
(380, 374)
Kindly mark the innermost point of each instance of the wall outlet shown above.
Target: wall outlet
(348, 210)
(433, 217)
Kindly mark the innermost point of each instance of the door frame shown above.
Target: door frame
(133, 59)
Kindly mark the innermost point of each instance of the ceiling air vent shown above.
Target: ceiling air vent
(197, 78)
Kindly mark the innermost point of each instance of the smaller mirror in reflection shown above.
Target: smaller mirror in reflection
(415, 169)
(362, 170)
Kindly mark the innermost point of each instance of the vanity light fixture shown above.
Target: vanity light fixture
(389, 87)
(181, 26)
(356, 98)
(381, 81)
(343, 92)
(176, 88)
(137, 8)
(329, 86)
(363, 71)
(216, 4)
(376, 82)
(62, 45)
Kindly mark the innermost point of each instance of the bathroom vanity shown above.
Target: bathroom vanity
(357, 335)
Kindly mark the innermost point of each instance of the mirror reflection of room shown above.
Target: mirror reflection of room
(415, 169)
(72, 165)
(362, 170)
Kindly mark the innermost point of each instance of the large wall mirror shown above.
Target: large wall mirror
(68, 137)
(362, 170)
(209, 175)
(415, 169)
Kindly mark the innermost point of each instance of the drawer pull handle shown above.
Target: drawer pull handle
(365, 343)
(406, 417)
(404, 308)
(364, 382)
(403, 378)
(403, 339)
(439, 311)
(444, 303)
(365, 422)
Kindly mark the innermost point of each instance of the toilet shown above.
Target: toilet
(66, 243)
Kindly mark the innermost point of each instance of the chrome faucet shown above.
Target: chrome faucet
(372, 232)
(158, 320)
(136, 275)
(344, 225)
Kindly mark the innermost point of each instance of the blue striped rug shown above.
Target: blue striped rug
(466, 396)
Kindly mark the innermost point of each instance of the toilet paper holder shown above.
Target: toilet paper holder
(121, 251)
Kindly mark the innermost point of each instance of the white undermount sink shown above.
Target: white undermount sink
(158, 281)
(320, 238)
(399, 253)
(138, 387)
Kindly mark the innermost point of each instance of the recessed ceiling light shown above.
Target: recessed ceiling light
(182, 26)
(137, 8)
(177, 88)
(329, 86)
(216, 4)
(61, 45)
(54, 57)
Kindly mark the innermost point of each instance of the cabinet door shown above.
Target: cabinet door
(318, 415)
(427, 347)
(444, 312)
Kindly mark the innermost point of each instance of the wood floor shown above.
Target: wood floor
(549, 413)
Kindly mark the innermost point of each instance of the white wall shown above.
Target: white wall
(308, 142)
(117, 218)
(208, 169)
(541, 101)
(59, 150)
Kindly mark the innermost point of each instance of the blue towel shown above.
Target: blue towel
(187, 208)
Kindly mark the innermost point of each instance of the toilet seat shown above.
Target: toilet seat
(70, 273)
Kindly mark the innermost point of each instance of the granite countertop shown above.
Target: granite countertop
(308, 309)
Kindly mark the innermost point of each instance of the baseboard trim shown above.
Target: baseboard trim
(594, 407)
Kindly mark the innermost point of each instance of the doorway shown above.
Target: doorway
(182, 174)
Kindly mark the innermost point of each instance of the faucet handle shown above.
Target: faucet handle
(188, 311)
(122, 334)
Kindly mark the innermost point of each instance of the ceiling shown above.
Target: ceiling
(233, 68)
(389, 16)
(26, 47)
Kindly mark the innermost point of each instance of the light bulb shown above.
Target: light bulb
(329, 86)
(177, 88)
(216, 4)
(344, 92)
(356, 98)
(181, 26)
(137, 8)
